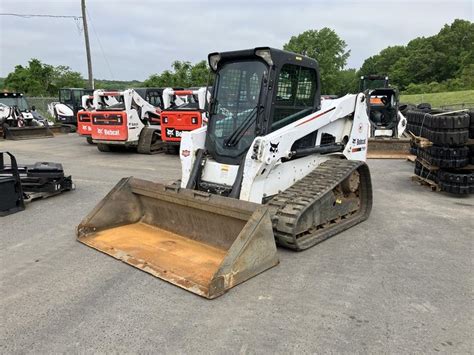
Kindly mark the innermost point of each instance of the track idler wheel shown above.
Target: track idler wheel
(351, 183)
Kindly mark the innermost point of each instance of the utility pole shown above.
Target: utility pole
(88, 49)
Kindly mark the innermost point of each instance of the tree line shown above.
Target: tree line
(443, 62)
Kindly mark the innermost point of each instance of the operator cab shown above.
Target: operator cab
(383, 105)
(257, 91)
(72, 97)
(153, 96)
(384, 108)
(14, 99)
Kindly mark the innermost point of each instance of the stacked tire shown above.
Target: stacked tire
(448, 162)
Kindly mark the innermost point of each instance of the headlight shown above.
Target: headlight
(194, 120)
(165, 119)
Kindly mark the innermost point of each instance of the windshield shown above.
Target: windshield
(111, 103)
(374, 84)
(236, 95)
(185, 102)
(65, 96)
(15, 101)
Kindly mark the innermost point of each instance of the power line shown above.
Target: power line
(40, 15)
(76, 18)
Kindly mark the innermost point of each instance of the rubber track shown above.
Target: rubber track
(145, 143)
(424, 172)
(445, 157)
(449, 121)
(287, 207)
(451, 137)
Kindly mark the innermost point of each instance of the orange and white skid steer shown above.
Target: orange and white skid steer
(100, 98)
(185, 111)
(134, 122)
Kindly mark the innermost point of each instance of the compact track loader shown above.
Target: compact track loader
(70, 103)
(274, 164)
(184, 111)
(19, 121)
(99, 99)
(134, 122)
(388, 124)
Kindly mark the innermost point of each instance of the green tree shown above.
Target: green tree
(382, 63)
(64, 77)
(184, 74)
(347, 82)
(328, 49)
(39, 79)
(437, 62)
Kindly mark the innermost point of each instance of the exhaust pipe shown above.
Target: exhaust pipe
(201, 242)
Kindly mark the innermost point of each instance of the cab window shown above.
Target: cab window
(65, 95)
(77, 96)
(295, 92)
(154, 98)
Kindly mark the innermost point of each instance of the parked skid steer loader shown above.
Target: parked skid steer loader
(19, 121)
(388, 124)
(70, 102)
(134, 122)
(99, 99)
(184, 111)
(273, 164)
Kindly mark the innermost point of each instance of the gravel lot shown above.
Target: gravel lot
(401, 282)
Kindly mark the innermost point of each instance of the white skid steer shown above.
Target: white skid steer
(273, 166)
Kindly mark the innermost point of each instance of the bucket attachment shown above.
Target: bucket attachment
(201, 242)
(17, 133)
(388, 148)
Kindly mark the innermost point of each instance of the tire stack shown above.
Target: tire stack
(448, 160)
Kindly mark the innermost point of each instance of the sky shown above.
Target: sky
(134, 39)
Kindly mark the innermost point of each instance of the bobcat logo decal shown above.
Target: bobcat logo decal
(274, 147)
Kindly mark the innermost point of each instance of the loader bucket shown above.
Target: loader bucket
(201, 242)
(17, 133)
(388, 148)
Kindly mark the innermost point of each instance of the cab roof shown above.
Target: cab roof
(278, 57)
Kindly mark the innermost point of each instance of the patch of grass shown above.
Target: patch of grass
(454, 98)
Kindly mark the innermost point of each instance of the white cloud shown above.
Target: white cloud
(144, 37)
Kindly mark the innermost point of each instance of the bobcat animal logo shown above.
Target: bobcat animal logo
(274, 147)
(169, 132)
